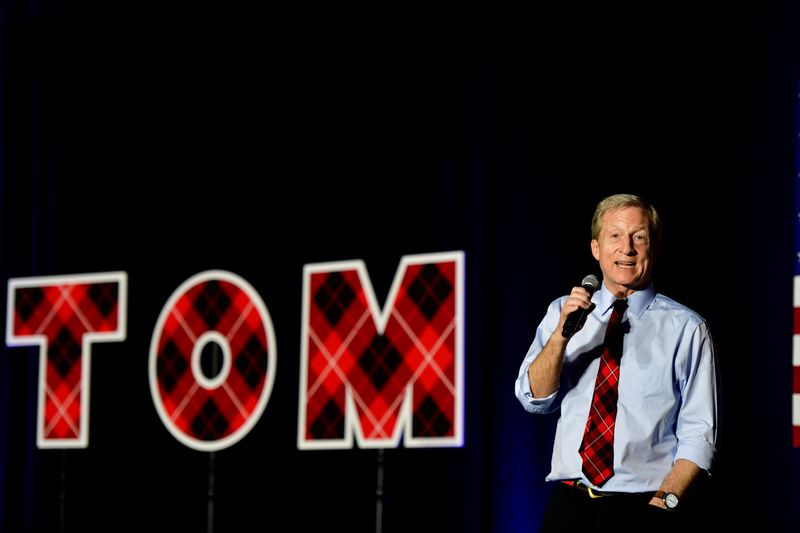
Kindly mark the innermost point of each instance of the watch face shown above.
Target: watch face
(670, 500)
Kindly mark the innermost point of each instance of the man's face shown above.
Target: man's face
(623, 250)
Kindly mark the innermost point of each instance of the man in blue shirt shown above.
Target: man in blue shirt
(663, 432)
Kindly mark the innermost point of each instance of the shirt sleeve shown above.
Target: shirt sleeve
(522, 384)
(698, 421)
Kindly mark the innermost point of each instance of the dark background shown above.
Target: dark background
(164, 139)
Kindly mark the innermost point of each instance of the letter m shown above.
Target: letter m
(377, 374)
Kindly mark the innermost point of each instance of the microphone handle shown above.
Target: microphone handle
(571, 323)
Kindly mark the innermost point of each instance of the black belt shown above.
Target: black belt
(592, 492)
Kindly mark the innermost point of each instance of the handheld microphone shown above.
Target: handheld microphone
(591, 284)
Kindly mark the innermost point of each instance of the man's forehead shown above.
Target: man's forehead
(626, 218)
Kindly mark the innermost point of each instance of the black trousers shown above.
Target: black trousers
(572, 509)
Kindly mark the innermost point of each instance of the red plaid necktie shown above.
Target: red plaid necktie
(597, 448)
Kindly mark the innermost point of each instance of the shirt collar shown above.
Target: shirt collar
(637, 302)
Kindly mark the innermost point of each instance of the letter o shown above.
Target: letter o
(204, 412)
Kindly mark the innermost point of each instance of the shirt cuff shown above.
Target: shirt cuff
(531, 404)
(701, 454)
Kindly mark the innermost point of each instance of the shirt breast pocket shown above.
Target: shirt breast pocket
(652, 381)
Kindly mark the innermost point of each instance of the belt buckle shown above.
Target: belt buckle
(593, 494)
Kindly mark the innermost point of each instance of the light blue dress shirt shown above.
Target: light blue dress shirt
(668, 404)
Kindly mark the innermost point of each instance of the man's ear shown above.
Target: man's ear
(596, 249)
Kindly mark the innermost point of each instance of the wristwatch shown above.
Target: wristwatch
(670, 499)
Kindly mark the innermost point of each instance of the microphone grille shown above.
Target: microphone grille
(591, 283)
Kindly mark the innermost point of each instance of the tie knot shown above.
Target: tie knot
(620, 305)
